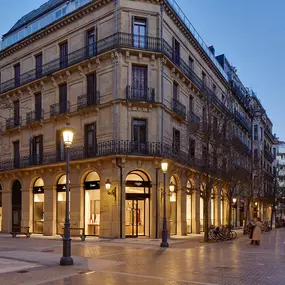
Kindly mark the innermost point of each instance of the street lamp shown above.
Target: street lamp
(66, 258)
(164, 243)
(108, 188)
(234, 212)
(234, 200)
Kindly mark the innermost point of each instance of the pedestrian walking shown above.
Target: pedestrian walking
(257, 232)
(251, 228)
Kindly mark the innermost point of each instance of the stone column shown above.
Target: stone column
(181, 209)
(196, 212)
(27, 209)
(238, 212)
(50, 199)
(154, 205)
(76, 206)
(218, 207)
(6, 208)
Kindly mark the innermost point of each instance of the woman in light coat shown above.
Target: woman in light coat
(257, 232)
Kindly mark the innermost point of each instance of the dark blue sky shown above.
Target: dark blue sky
(250, 33)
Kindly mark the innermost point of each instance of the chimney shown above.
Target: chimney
(212, 49)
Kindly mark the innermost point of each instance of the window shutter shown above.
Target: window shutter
(31, 150)
(41, 149)
(86, 140)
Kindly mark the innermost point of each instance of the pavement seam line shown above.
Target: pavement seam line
(156, 277)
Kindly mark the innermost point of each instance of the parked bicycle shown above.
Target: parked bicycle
(223, 233)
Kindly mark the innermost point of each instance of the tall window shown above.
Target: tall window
(38, 106)
(191, 149)
(63, 55)
(62, 98)
(36, 150)
(39, 65)
(176, 51)
(175, 91)
(16, 146)
(139, 134)
(191, 63)
(91, 42)
(60, 151)
(90, 140)
(215, 127)
(140, 32)
(91, 89)
(176, 141)
(16, 113)
(255, 132)
(191, 104)
(17, 74)
(139, 82)
(261, 133)
(204, 78)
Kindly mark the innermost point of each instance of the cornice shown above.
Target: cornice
(54, 27)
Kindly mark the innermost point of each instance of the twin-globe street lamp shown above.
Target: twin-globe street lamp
(66, 258)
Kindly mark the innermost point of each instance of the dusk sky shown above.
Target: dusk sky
(250, 33)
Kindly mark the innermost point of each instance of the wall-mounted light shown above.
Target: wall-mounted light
(108, 188)
(171, 188)
(255, 203)
(234, 200)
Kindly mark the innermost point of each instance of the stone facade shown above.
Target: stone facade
(132, 128)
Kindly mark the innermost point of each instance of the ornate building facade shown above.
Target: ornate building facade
(138, 85)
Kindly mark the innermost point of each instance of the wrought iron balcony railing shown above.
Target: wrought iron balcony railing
(179, 108)
(193, 118)
(34, 116)
(134, 93)
(242, 121)
(269, 133)
(59, 108)
(268, 154)
(240, 95)
(118, 40)
(242, 146)
(86, 100)
(13, 123)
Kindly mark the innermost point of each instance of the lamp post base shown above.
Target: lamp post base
(164, 244)
(66, 259)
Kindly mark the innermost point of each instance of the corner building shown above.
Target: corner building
(129, 77)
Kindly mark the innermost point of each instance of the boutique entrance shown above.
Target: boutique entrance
(137, 210)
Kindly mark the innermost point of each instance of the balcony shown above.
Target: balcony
(239, 144)
(268, 155)
(86, 100)
(34, 116)
(242, 121)
(240, 94)
(13, 123)
(179, 108)
(59, 108)
(193, 118)
(145, 94)
(269, 133)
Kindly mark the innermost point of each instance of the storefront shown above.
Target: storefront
(173, 206)
(92, 204)
(137, 209)
(189, 207)
(16, 206)
(38, 206)
(61, 204)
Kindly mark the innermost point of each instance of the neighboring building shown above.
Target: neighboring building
(130, 78)
(280, 175)
(263, 145)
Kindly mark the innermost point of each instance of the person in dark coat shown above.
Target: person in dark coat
(251, 229)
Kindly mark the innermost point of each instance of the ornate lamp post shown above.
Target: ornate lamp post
(164, 243)
(234, 212)
(66, 258)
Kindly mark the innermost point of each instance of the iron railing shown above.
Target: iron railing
(85, 100)
(268, 154)
(118, 40)
(59, 108)
(193, 118)
(242, 146)
(240, 95)
(269, 133)
(134, 93)
(34, 116)
(242, 121)
(13, 123)
(107, 148)
(179, 108)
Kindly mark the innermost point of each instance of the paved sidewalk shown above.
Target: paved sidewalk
(142, 261)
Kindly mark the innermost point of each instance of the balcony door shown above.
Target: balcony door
(38, 106)
(139, 82)
(91, 89)
(39, 65)
(36, 150)
(176, 141)
(63, 55)
(17, 74)
(16, 113)
(16, 146)
(91, 42)
(62, 98)
(176, 51)
(139, 32)
(90, 140)
(139, 135)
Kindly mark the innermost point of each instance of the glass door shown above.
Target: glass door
(131, 218)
